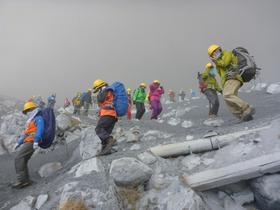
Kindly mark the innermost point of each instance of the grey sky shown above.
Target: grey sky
(62, 46)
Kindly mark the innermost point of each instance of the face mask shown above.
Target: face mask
(217, 54)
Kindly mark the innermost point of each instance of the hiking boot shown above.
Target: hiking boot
(106, 150)
(248, 114)
(111, 141)
(247, 118)
(20, 185)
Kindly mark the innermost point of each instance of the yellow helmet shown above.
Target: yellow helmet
(209, 65)
(28, 106)
(156, 81)
(98, 84)
(143, 85)
(212, 49)
(128, 90)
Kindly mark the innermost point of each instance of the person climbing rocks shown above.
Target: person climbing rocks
(128, 114)
(86, 101)
(227, 67)
(107, 116)
(171, 95)
(139, 98)
(156, 91)
(28, 143)
(76, 101)
(209, 86)
(66, 103)
(182, 95)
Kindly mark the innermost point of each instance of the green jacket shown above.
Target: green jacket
(210, 80)
(139, 95)
(224, 63)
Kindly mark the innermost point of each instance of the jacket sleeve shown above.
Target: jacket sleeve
(226, 60)
(135, 94)
(205, 73)
(39, 121)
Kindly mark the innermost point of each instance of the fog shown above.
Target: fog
(53, 46)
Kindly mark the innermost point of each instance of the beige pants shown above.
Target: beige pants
(236, 105)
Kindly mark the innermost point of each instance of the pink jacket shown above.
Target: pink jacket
(155, 92)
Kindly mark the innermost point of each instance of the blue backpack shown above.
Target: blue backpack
(120, 98)
(49, 130)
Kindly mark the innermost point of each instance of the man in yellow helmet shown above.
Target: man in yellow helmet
(209, 89)
(227, 67)
(27, 143)
(107, 116)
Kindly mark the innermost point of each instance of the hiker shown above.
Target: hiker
(182, 95)
(76, 101)
(156, 91)
(139, 98)
(66, 103)
(107, 116)
(28, 143)
(227, 66)
(51, 101)
(209, 86)
(171, 95)
(86, 101)
(129, 103)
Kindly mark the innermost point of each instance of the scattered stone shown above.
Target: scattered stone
(187, 124)
(129, 172)
(49, 169)
(147, 158)
(135, 147)
(217, 122)
(267, 191)
(90, 144)
(41, 200)
(87, 167)
(174, 121)
(189, 137)
(72, 200)
(191, 161)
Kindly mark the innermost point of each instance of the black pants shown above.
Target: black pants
(25, 152)
(104, 128)
(140, 110)
(213, 99)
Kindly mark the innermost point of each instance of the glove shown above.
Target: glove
(20, 141)
(35, 145)
(17, 145)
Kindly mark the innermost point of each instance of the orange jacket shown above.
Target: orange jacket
(105, 102)
(30, 132)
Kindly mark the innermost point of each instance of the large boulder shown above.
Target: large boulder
(63, 122)
(49, 169)
(267, 191)
(174, 196)
(86, 167)
(130, 172)
(90, 144)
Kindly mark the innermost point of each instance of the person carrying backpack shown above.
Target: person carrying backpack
(107, 115)
(227, 66)
(139, 98)
(86, 101)
(156, 91)
(76, 101)
(210, 88)
(28, 143)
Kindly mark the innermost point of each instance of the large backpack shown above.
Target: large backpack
(49, 128)
(246, 64)
(120, 98)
